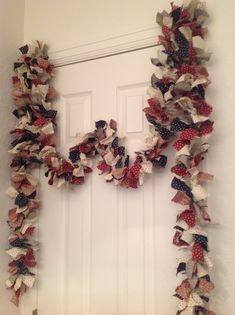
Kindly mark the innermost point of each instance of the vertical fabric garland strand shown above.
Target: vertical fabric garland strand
(32, 94)
(183, 84)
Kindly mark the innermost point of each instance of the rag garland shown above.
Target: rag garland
(177, 109)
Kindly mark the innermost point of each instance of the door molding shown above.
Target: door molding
(107, 47)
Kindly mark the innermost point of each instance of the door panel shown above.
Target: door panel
(106, 250)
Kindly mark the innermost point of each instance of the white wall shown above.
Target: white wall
(68, 23)
(11, 37)
(64, 24)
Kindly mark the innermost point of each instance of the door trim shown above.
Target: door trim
(107, 47)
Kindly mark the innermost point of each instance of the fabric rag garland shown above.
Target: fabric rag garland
(183, 87)
(177, 108)
(34, 144)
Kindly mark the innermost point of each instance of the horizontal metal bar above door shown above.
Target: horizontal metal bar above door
(105, 48)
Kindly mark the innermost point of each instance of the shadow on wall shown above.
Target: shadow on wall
(11, 37)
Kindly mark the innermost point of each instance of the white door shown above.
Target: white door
(105, 250)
